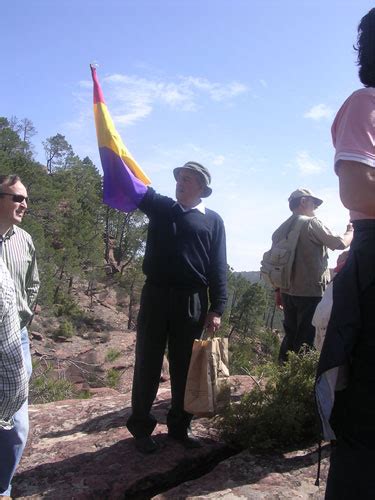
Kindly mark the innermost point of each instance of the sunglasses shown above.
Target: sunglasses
(17, 198)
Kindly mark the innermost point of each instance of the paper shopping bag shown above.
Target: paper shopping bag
(207, 387)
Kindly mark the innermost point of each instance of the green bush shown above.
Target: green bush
(113, 378)
(66, 329)
(263, 347)
(279, 413)
(241, 356)
(46, 386)
(67, 307)
(112, 354)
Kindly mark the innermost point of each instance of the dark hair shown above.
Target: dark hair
(366, 49)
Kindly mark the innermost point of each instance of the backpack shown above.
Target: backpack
(277, 263)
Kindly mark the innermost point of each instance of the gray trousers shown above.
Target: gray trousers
(170, 317)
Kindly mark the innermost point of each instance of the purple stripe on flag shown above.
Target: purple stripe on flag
(121, 189)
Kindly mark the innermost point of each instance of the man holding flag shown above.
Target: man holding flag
(185, 267)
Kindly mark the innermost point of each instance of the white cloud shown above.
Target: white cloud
(318, 112)
(307, 165)
(218, 160)
(133, 98)
(216, 91)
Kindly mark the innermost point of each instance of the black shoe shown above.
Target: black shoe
(146, 445)
(187, 439)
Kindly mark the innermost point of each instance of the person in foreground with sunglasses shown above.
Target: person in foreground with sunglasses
(18, 253)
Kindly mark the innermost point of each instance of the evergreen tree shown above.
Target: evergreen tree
(77, 231)
(248, 313)
(125, 238)
(58, 151)
(10, 141)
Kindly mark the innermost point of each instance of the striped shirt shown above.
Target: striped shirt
(18, 253)
(13, 376)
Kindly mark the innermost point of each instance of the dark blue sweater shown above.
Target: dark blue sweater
(185, 249)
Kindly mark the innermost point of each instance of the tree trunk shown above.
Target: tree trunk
(57, 289)
(230, 333)
(273, 316)
(106, 236)
(131, 305)
(121, 247)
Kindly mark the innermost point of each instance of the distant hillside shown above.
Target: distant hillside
(252, 276)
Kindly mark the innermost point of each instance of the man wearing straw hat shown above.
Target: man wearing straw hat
(185, 292)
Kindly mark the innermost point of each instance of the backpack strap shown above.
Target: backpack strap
(299, 223)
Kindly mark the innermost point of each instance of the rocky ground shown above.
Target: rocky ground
(81, 449)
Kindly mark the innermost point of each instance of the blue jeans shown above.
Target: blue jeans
(13, 441)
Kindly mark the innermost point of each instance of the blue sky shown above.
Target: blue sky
(249, 88)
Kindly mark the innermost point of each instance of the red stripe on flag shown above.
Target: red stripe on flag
(98, 94)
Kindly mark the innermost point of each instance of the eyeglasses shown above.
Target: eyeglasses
(17, 198)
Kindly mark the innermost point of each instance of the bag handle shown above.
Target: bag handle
(208, 336)
(205, 335)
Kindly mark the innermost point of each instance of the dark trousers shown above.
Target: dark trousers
(351, 330)
(298, 314)
(351, 473)
(173, 317)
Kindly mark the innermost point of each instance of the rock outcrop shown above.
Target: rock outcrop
(261, 477)
(81, 450)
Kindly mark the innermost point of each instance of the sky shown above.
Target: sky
(248, 88)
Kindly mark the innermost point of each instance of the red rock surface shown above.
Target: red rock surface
(267, 477)
(81, 450)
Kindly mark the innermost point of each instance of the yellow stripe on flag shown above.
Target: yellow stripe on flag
(108, 137)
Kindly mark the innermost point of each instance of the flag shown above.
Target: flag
(124, 182)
